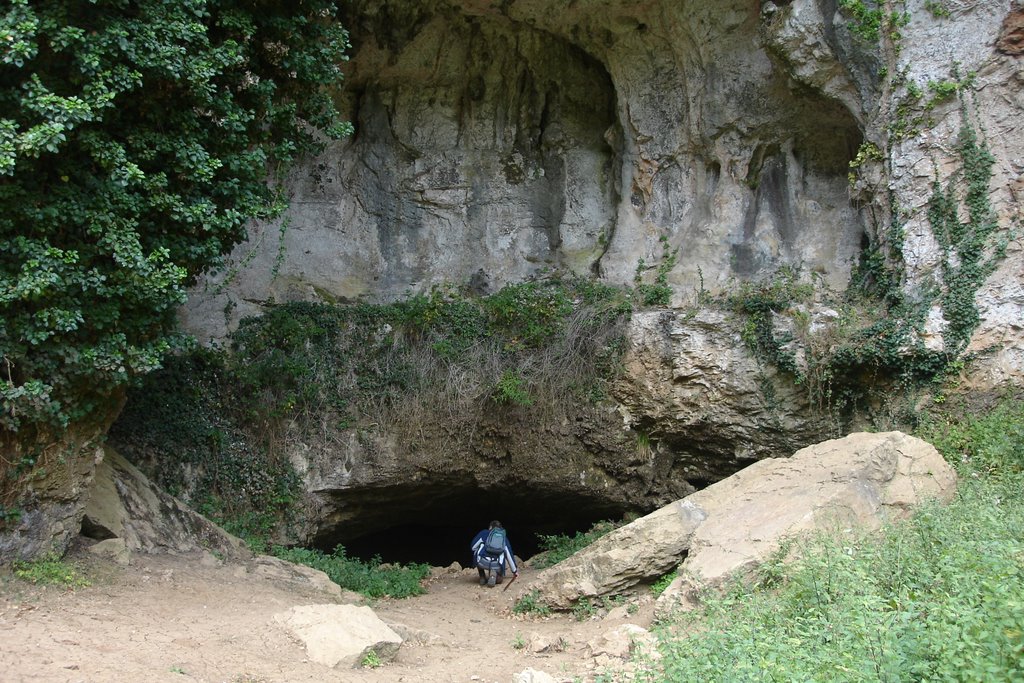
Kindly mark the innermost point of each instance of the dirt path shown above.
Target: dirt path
(172, 618)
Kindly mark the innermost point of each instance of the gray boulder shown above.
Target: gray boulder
(861, 480)
(340, 635)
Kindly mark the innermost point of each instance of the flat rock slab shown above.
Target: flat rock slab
(861, 480)
(340, 635)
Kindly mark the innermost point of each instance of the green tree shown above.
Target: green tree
(137, 138)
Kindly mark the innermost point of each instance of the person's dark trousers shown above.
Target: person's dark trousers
(500, 572)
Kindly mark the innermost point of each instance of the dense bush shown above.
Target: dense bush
(136, 141)
(186, 428)
(558, 547)
(938, 597)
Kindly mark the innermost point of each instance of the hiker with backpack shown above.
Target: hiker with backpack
(491, 552)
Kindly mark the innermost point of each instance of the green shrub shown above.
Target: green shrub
(991, 442)
(511, 388)
(372, 579)
(531, 603)
(558, 547)
(50, 571)
(530, 312)
(659, 586)
(657, 293)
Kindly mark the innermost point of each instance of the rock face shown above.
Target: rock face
(341, 636)
(730, 527)
(49, 496)
(538, 469)
(691, 384)
(123, 504)
(498, 141)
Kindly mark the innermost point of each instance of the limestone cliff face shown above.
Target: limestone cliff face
(497, 141)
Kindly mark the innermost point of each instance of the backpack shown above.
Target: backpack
(494, 546)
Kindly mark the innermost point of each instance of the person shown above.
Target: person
(491, 567)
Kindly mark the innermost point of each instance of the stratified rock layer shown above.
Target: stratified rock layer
(123, 504)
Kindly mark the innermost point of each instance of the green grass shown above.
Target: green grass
(558, 547)
(531, 603)
(659, 586)
(372, 579)
(939, 597)
(50, 571)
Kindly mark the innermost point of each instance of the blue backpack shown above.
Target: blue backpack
(494, 546)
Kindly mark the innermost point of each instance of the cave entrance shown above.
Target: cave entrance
(440, 532)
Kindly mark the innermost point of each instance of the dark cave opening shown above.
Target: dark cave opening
(439, 532)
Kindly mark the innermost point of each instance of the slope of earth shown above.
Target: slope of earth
(181, 619)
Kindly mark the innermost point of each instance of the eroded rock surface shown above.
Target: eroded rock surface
(341, 636)
(124, 504)
(46, 483)
(497, 141)
(729, 528)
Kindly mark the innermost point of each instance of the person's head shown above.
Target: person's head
(495, 525)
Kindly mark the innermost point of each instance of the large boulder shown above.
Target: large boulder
(861, 480)
(124, 504)
(341, 635)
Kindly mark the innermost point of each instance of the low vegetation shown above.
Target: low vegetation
(558, 547)
(937, 597)
(531, 603)
(50, 571)
(372, 579)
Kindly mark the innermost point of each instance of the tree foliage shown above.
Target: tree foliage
(137, 139)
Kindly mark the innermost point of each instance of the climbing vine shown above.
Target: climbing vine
(136, 142)
(658, 293)
(759, 302)
(870, 19)
(967, 258)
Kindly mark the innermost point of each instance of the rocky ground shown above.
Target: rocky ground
(193, 618)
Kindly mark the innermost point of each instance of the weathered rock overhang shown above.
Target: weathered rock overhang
(500, 141)
(497, 142)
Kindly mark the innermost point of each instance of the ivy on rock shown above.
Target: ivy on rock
(136, 141)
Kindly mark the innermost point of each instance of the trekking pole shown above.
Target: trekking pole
(514, 577)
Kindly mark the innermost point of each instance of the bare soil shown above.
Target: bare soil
(180, 619)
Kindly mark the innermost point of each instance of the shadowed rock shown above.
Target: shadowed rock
(124, 504)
